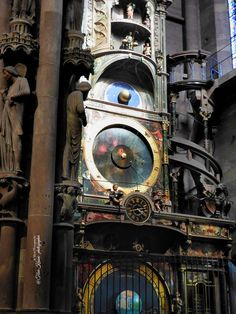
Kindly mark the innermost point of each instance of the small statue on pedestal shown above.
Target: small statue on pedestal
(147, 51)
(130, 10)
(128, 42)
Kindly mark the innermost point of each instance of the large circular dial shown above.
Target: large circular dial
(122, 151)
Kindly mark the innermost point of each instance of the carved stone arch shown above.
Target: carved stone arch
(106, 62)
(132, 74)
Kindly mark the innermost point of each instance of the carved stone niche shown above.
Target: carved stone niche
(12, 192)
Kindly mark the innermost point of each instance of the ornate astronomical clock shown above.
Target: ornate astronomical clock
(124, 144)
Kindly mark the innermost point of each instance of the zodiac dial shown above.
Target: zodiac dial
(122, 151)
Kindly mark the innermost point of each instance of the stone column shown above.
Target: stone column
(63, 241)
(40, 218)
(8, 262)
(192, 25)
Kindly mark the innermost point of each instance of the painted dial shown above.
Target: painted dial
(122, 151)
(122, 156)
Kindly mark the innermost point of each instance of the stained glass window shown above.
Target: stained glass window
(232, 20)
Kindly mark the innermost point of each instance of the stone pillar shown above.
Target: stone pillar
(40, 217)
(63, 241)
(8, 262)
(192, 25)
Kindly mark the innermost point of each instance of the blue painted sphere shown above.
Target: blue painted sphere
(128, 302)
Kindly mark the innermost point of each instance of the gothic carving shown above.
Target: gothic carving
(20, 37)
(100, 23)
(74, 38)
(11, 131)
(11, 189)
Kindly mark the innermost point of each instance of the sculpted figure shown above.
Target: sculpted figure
(222, 202)
(177, 303)
(11, 119)
(147, 50)
(23, 8)
(69, 205)
(76, 118)
(115, 196)
(130, 10)
(74, 12)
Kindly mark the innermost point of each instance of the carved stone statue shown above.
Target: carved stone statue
(69, 204)
(74, 13)
(76, 118)
(23, 9)
(11, 119)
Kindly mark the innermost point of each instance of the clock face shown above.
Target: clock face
(122, 151)
(138, 207)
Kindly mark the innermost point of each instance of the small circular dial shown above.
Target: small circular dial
(138, 207)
